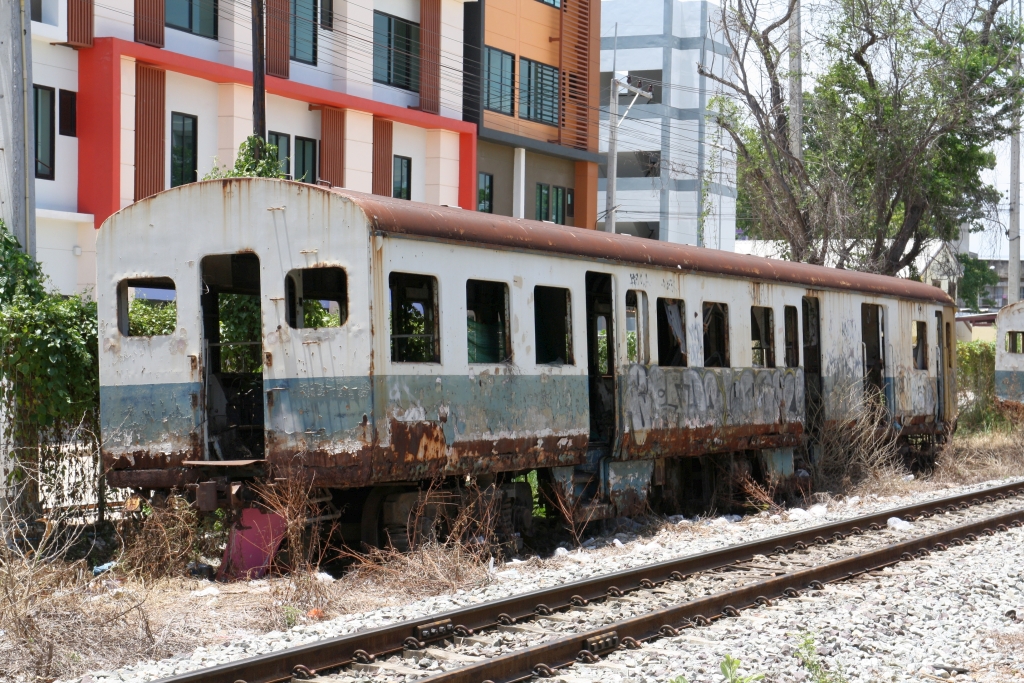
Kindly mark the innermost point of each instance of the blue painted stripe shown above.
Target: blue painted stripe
(1010, 385)
(133, 416)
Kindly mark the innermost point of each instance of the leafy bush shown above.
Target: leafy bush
(147, 318)
(976, 386)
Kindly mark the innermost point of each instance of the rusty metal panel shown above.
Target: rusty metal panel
(80, 23)
(150, 88)
(430, 56)
(332, 145)
(575, 53)
(383, 134)
(149, 22)
(278, 36)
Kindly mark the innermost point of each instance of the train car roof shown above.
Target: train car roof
(404, 217)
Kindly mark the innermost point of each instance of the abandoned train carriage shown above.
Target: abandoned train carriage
(372, 344)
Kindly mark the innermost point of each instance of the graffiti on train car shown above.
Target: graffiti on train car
(689, 411)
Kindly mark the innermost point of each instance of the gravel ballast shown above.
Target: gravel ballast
(892, 637)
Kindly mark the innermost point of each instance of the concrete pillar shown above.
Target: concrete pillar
(442, 168)
(358, 149)
(127, 180)
(234, 120)
(519, 183)
(353, 72)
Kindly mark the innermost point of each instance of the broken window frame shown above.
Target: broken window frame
(762, 336)
(1013, 342)
(919, 344)
(715, 313)
(296, 297)
(791, 319)
(636, 311)
(672, 348)
(538, 325)
(505, 341)
(125, 297)
(431, 324)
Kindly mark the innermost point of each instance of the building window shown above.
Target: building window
(485, 193)
(303, 31)
(672, 333)
(414, 319)
(183, 149)
(401, 178)
(542, 202)
(195, 16)
(499, 81)
(716, 335)
(919, 341)
(68, 113)
(570, 202)
(553, 3)
(327, 14)
(487, 330)
(305, 160)
(316, 297)
(538, 92)
(552, 325)
(283, 142)
(558, 205)
(552, 203)
(396, 52)
(762, 336)
(637, 346)
(792, 340)
(45, 144)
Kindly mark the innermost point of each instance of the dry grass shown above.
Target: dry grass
(981, 456)
(160, 541)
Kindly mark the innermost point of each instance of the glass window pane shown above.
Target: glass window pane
(183, 149)
(44, 132)
(381, 45)
(303, 31)
(400, 178)
(283, 143)
(305, 160)
(176, 14)
(485, 193)
(204, 17)
(396, 52)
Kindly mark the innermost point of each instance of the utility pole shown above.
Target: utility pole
(613, 133)
(796, 87)
(259, 66)
(17, 132)
(1013, 270)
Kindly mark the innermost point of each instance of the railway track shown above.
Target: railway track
(534, 634)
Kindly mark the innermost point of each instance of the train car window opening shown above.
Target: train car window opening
(716, 335)
(792, 337)
(672, 333)
(552, 318)
(147, 307)
(762, 336)
(919, 342)
(320, 294)
(949, 346)
(415, 334)
(487, 330)
(601, 327)
(872, 321)
(637, 346)
(1014, 342)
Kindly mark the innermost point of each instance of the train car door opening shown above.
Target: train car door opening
(812, 359)
(940, 369)
(601, 357)
(233, 352)
(872, 321)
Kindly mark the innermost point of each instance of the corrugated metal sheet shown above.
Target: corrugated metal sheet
(574, 58)
(443, 223)
(149, 22)
(332, 145)
(277, 37)
(382, 161)
(430, 56)
(149, 130)
(80, 23)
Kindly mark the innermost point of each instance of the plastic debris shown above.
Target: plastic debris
(99, 569)
(897, 524)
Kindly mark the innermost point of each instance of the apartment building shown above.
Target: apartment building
(136, 96)
(676, 171)
(531, 86)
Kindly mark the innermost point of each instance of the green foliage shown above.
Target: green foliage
(807, 653)
(976, 386)
(977, 276)
(240, 321)
(314, 315)
(148, 318)
(256, 159)
(730, 668)
(49, 377)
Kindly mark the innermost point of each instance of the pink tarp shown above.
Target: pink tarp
(252, 544)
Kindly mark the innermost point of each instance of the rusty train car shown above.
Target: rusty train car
(391, 343)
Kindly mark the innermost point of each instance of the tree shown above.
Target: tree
(255, 159)
(909, 97)
(976, 277)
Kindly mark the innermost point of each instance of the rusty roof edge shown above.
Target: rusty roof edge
(402, 216)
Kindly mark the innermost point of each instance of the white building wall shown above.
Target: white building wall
(57, 67)
(199, 98)
(127, 131)
(410, 141)
(115, 18)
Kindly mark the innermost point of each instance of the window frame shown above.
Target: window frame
(791, 353)
(274, 138)
(661, 309)
(641, 319)
(919, 344)
(293, 23)
(295, 159)
(485, 180)
(435, 309)
(766, 325)
(51, 111)
(570, 341)
(1013, 342)
(707, 310)
(192, 12)
(398, 160)
(124, 302)
(177, 115)
(510, 94)
(293, 300)
(533, 105)
(387, 50)
(327, 15)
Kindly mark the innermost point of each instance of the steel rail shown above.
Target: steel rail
(541, 660)
(364, 646)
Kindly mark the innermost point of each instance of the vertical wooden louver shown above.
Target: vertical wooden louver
(574, 95)
(149, 130)
(332, 146)
(80, 23)
(277, 37)
(383, 131)
(430, 56)
(149, 22)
